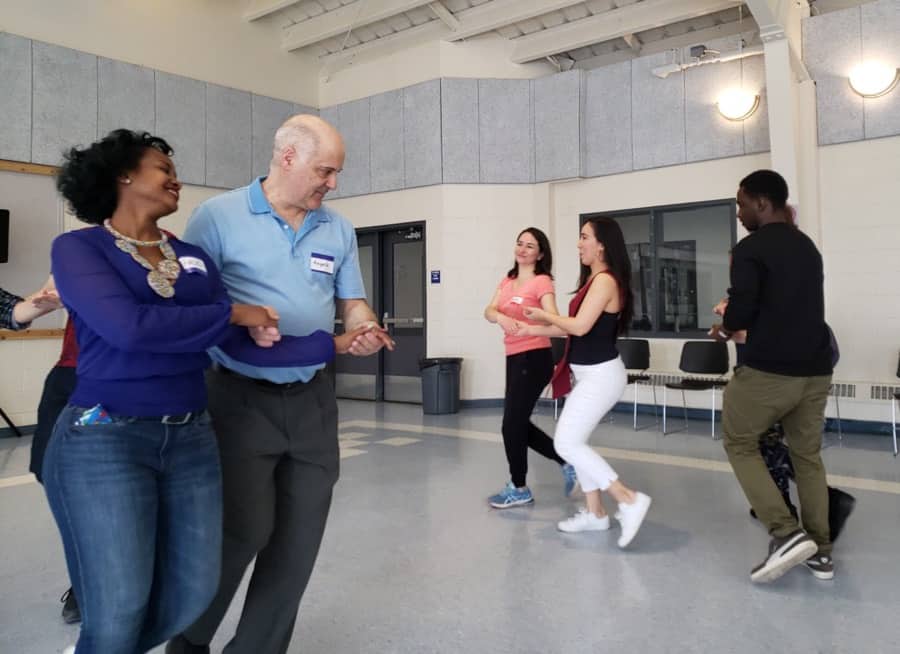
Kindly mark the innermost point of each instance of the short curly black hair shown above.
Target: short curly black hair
(88, 179)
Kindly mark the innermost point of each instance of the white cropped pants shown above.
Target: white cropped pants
(596, 390)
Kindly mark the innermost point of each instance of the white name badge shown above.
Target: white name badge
(323, 263)
(517, 300)
(192, 265)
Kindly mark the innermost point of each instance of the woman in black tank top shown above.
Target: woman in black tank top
(597, 315)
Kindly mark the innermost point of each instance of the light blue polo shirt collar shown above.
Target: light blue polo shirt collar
(259, 204)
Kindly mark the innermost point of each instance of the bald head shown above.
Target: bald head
(305, 134)
(307, 156)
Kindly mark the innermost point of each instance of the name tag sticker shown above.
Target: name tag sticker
(323, 263)
(192, 265)
(517, 300)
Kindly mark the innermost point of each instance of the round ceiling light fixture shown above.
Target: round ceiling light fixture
(737, 104)
(872, 79)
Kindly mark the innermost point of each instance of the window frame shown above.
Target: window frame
(656, 215)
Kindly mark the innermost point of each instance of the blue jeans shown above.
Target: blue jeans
(139, 506)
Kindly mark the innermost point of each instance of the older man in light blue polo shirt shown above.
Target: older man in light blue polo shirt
(277, 245)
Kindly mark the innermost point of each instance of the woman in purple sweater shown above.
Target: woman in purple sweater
(132, 468)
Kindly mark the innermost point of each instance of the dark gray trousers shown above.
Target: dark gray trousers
(280, 460)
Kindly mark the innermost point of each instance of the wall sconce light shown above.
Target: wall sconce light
(872, 79)
(737, 104)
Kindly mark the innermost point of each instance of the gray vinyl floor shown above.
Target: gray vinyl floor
(415, 561)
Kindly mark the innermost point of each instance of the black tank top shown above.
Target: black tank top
(599, 344)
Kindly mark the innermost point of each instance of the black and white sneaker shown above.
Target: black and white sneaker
(784, 554)
(821, 566)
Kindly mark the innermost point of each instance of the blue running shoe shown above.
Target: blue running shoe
(571, 478)
(510, 496)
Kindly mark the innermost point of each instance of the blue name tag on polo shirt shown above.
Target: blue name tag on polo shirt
(323, 263)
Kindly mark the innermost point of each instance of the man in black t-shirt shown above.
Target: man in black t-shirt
(777, 295)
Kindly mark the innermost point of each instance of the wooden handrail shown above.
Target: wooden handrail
(30, 334)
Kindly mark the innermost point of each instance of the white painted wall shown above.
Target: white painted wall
(201, 39)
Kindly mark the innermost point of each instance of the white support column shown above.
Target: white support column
(790, 96)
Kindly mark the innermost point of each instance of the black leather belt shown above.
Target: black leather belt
(265, 383)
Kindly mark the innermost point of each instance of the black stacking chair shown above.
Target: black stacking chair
(894, 401)
(700, 358)
(635, 353)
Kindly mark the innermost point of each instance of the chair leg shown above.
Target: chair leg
(655, 422)
(665, 393)
(894, 422)
(837, 407)
(712, 414)
(684, 405)
(556, 409)
(634, 420)
(9, 422)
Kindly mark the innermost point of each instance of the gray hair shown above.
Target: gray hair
(297, 135)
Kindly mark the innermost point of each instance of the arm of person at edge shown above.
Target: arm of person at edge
(94, 291)
(742, 306)
(23, 311)
(357, 314)
(599, 295)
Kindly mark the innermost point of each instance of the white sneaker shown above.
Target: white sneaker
(630, 517)
(584, 520)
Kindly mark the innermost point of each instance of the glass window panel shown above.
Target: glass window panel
(367, 268)
(692, 265)
(409, 279)
(637, 228)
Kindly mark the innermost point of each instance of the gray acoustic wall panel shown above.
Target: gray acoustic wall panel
(267, 115)
(126, 96)
(228, 137)
(459, 131)
(330, 114)
(606, 137)
(756, 127)
(15, 98)
(881, 42)
(557, 126)
(422, 134)
(353, 123)
(386, 141)
(505, 131)
(64, 101)
(831, 48)
(708, 135)
(181, 120)
(657, 114)
(304, 109)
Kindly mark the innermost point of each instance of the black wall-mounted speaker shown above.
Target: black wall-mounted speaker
(4, 235)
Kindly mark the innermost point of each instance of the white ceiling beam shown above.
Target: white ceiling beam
(747, 29)
(447, 18)
(337, 22)
(261, 8)
(472, 21)
(499, 13)
(387, 45)
(612, 24)
(778, 20)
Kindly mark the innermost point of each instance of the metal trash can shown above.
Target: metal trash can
(440, 384)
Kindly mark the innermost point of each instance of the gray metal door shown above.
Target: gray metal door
(392, 261)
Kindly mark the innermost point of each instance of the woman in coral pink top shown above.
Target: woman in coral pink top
(529, 363)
